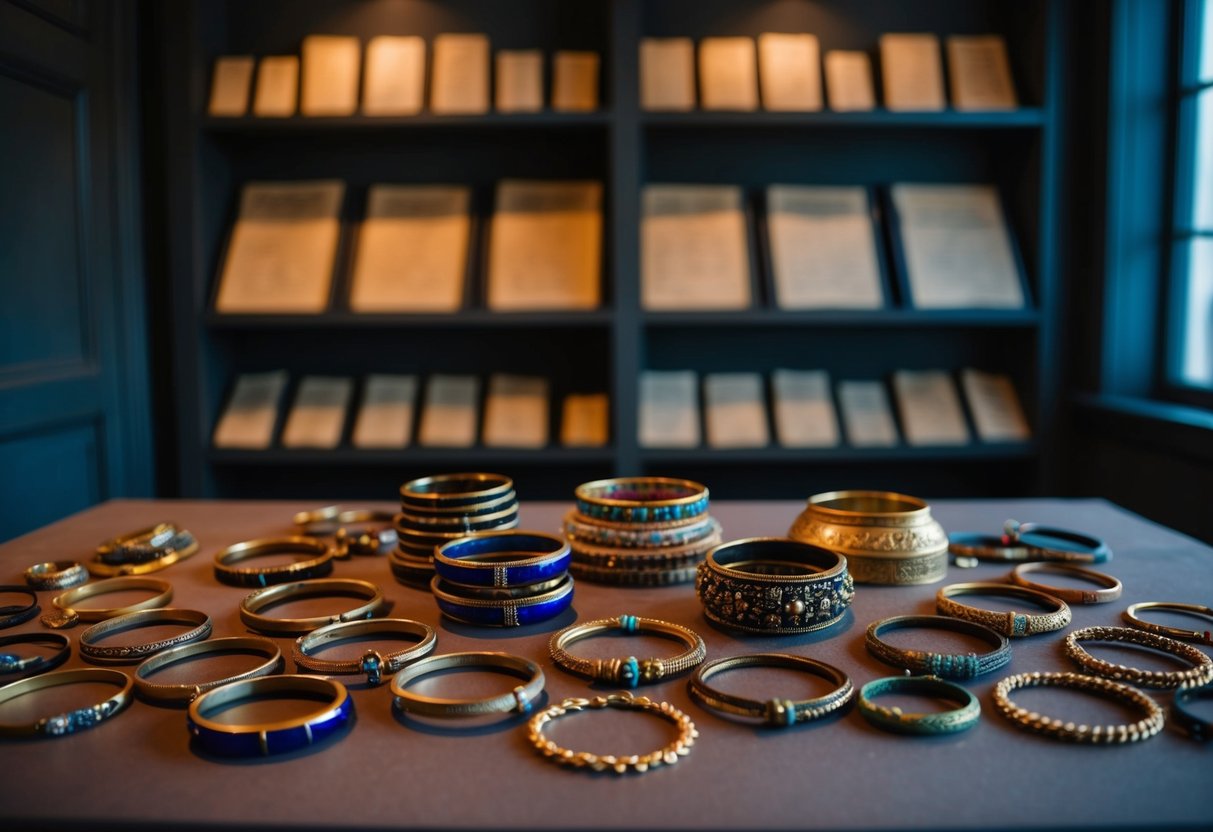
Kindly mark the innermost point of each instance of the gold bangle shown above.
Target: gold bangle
(1012, 624)
(317, 563)
(628, 672)
(270, 596)
(668, 755)
(58, 574)
(140, 543)
(1072, 732)
(199, 630)
(456, 491)
(67, 615)
(519, 700)
(185, 693)
(162, 561)
(1112, 587)
(1200, 636)
(1200, 673)
(373, 663)
(72, 721)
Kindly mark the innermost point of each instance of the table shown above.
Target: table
(387, 773)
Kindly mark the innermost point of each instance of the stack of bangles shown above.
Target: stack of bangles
(1020, 542)
(144, 551)
(627, 672)
(774, 585)
(503, 579)
(774, 712)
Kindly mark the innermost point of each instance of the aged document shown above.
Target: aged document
(584, 420)
(735, 412)
(318, 416)
(912, 72)
(230, 84)
(979, 73)
(789, 70)
(331, 64)
(277, 86)
(394, 83)
(519, 81)
(728, 74)
(669, 409)
(804, 409)
(448, 418)
(460, 82)
(667, 74)
(385, 419)
(516, 412)
(849, 84)
(994, 405)
(575, 81)
(248, 421)
(694, 248)
(866, 416)
(929, 407)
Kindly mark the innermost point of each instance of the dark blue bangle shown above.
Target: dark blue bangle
(642, 499)
(503, 559)
(258, 739)
(507, 612)
(894, 719)
(11, 663)
(14, 614)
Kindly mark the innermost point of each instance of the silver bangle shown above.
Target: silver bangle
(519, 700)
(135, 653)
(373, 663)
(185, 693)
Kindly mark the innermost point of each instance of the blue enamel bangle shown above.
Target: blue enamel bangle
(946, 665)
(642, 499)
(11, 663)
(506, 612)
(258, 739)
(900, 722)
(503, 559)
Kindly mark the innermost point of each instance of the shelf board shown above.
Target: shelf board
(464, 319)
(305, 125)
(906, 318)
(1022, 118)
(978, 452)
(478, 455)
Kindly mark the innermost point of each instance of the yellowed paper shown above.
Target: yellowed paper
(728, 74)
(277, 87)
(516, 412)
(248, 420)
(395, 76)
(575, 82)
(912, 72)
(789, 69)
(584, 421)
(736, 412)
(669, 409)
(331, 64)
(448, 419)
(385, 419)
(460, 84)
(849, 85)
(519, 81)
(318, 416)
(994, 405)
(866, 416)
(979, 73)
(929, 408)
(230, 85)
(667, 74)
(694, 248)
(804, 409)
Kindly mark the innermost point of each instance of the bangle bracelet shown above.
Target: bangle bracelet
(58, 574)
(14, 614)
(184, 693)
(1021, 542)
(70, 722)
(141, 553)
(642, 499)
(460, 492)
(317, 561)
(628, 672)
(613, 557)
(1056, 729)
(1200, 636)
(1198, 727)
(199, 630)
(657, 576)
(334, 520)
(373, 663)
(412, 570)
(519, 700)
(945, 665)
(774, 712)
(635, 535)
(11, 663)
(137, 546)
(1013, 624)
(509, 558)
(253, 739)
(774, 585)
(896, 720)
(508, 612)
(1110, 592)
(180, 548)
(1201, 673)
(668, 755)
(506, 517)
(253, 603)
(504, 593)
(67, 615)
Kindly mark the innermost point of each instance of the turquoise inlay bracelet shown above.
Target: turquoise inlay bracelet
(946, 665)
(896, 720)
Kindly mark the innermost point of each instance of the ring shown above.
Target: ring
(1197, 727)
(518, 700)
(667, 755)
(507, 612)
(1201, 636)
(317, 561)
(510, 558)
(1013, 624)
(58, 574)
(14, 614)
(181, 693)
(898, 721)
(373, 663)
(641, 499)
(132, 654)
(1110, 592)
(67, 615)
(457, 491)
(774, 712)
(255, 739)
(11, 663)
(270, 596)
(70, 722)
(945, 665)
(628, 672)
(1056, 729)
(1201, 673)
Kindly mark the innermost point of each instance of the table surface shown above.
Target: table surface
(385, 772)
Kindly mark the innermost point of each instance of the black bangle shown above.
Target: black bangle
(1197, 727)
(11, 664)
(945, 665)
(14, 614)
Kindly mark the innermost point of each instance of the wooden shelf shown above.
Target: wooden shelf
(465, 319)
(305, 125)
(287, 457)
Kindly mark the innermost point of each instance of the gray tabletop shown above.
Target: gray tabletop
(388, 772)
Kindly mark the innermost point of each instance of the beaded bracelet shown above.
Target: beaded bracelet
(59, 574)
(896, 720)
(1110, 592)
(519, 700)
(199, 623)
(641, 499)
(635, 536)
(628, 672)
(373, 663)
(1056, 729)
(1199, 636)
(11, 663)
(1200, 674)
(1013, 624)
(70, 722)
(184, 692)
(668, 755)
(774, 712)
(682, 554)
(946, 665)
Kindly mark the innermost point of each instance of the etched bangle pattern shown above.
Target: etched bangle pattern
(748, 603)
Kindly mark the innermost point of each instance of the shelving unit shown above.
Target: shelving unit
(625, 148)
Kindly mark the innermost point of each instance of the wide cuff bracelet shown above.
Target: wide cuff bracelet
(14, 614)
(252, 604)
(199, 623)
(67, 615)
(373, 663)
(1201, 672)
(260, 739)
(315, 561)
(12, 664)
(774, 712)
(1037, 723)
(1110, 591)
(642, 499)
(519, 700)
(1013, 624)
(59, 574)
(898, 721)
(945, 665)
(634, 536)
(185, 693)
(501, 559)
(1198, 636)
(774, 585)
(627, 672)
(504, 612)
(463, 493)
(70, 722)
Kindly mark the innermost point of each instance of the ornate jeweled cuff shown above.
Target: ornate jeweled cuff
(1201, 672)
(252, 604)
(519, 700)
(72, 721)
(510, 558)
(198, 622)
(1200, 636)
(373, 663)
(1013, 624)
(1037, 723)
(945, 665)
(180, 693)
(1110, 587)
(315, 561)
(642, 499)
(12, 664)
(627, 672)
(898, 721)
(502, 612)
(774, 712)
(67, 614)
(59, 574)
(774, 585)
(14, 614)
(260, 739)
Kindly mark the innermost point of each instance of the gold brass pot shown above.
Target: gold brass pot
(888, 538)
